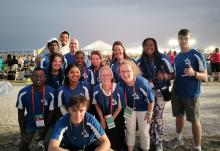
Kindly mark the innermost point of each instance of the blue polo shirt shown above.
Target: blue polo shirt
(139, 95)
(186, 86)
(78, 136)
(93, 77)
(69, 59)
(24, 101)
(54, 80)
(103, 100)
(149, 70)
(64, 93)
(45, 61)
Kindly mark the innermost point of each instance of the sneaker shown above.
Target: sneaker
(175, 143)
(159, 147)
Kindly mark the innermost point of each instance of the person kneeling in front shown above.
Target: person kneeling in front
(78, 130)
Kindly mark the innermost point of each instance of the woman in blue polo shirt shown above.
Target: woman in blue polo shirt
(55, 74)
(96, 64)
(139, 100)
(79, 130)
(158, 70)
(80, 62)
(72, 86)
(108, 98)
(118, 55)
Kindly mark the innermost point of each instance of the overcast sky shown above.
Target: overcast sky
(28, 24)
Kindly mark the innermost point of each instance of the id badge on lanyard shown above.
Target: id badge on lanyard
(39, 119)
(110, 121)
(128, 112)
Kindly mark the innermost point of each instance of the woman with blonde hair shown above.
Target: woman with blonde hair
(139, 100)
(108, 98)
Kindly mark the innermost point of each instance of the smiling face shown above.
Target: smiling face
(106, 76)
(126, 73)
(38, 78)
(118, 52)
(149, 47)
(96, 60)
(79, 59)
(57, 63)
(53, 47)
(74, 45)
(64, 38)
(74, 74)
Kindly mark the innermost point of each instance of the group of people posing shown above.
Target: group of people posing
(75, 104)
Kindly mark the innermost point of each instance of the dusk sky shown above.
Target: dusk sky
(28, 24)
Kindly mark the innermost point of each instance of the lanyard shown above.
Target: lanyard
(33, 101)
(111, 102)
(151, 66)
(83, 133)
(85, 75)
(126, 98)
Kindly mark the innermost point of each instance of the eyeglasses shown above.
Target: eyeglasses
(126, 71)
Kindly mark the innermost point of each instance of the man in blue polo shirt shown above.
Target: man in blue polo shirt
(38, 101)
(78, 130)
(53, 47)
(190, 70)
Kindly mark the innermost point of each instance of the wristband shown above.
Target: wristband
(195, 74)
(149, 113)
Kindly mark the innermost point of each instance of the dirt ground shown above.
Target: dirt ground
(210, 119)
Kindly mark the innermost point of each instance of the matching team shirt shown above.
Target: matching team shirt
(139, 95)
(78, 136)
(109, 101)
(149, 70)
(26, 101)
(64, 93)
(186, 86)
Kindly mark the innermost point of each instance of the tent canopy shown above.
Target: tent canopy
(102, 46)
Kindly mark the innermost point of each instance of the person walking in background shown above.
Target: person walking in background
(215, 64)
(37, 100)
(190, 70)
(139, 100)
(108, 98)
(79, 129)
(158, 70)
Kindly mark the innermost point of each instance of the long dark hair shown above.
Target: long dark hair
(124, 51)
(60, 75)
(156, 54)
(66, 79)
(96, 52)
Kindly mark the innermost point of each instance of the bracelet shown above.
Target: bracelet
(149, 113)
(195, 74)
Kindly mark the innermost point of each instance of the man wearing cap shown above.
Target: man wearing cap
(53, 47)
